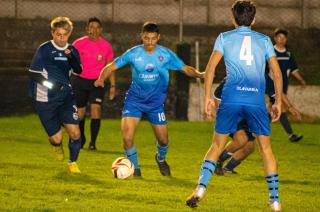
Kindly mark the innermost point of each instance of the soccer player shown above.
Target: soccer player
(95, 53)
(150, 64)
(51, 91)
(245, 53)
(288, 67)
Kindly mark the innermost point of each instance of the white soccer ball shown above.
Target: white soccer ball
(122, 168)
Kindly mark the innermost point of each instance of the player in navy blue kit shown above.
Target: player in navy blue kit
(288, 67)
(51, 91)
(150, 64)
(245, 54)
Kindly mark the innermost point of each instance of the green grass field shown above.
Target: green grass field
(31, 180)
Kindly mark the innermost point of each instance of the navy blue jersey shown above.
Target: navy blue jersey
(51, 62)
(287, 66)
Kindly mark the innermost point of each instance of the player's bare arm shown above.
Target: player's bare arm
(294, 111)
(297, 74)
(277, 79)
(112, 91)
(192, 72)
(105, 73)
(208, 79)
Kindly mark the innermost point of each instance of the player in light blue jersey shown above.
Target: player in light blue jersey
(245, 52)
(150, 64)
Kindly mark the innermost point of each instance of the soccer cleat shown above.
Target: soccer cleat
(92, 146)
(225, 170)
(73, 168)
(275, 206)
(195, 197)
(163, 166)
(295, 138)
(58, 152)
(137, 173)
(219, 170)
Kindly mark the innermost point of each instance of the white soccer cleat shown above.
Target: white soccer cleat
(275, 206)
(196, 196)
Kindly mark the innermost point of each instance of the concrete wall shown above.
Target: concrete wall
(306, 100)
(271, 13)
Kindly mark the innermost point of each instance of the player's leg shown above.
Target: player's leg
(82, 119)
(128, 129)
(238, 157)
(158, 120)
(270, 169)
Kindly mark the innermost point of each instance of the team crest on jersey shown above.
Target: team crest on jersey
(99, 57)
(160, 58)
(75, 116)
(149, 67)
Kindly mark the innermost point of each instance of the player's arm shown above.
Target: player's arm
(37, 77)
(297, 74)
(74, 61)
(192, 72)
(106, 72)
(290, 107)
(277, 80)
(112, 90)
(214, 60)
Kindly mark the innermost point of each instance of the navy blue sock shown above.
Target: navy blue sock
(95, 126)
(74, 148)
(285, 123)
(273, 185)
(162, 152)
(233, 163)
(132, 155)
(224, 156)
(207, 169)
(82, 127)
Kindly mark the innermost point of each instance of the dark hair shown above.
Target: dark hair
(281, 31)
(243, 12)
(94, 19)
(150, 27)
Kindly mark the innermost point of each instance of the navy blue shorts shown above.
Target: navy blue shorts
(155, 116)
(57, 113)
(230, 115)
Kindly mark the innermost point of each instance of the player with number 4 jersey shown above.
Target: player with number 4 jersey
(150, 64)
(245, 53)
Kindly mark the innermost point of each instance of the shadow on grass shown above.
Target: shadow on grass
(18, 166)
(169, 181)
(288, 182)
(103, 152)
(79, 179)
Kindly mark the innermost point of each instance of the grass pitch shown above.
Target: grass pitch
(31, 180)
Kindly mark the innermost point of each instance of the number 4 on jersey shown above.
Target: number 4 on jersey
(245, 51)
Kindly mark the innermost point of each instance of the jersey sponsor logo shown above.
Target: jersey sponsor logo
(60, 58)
(148, 77)
(239, 88)
(149, 67)
(160, 58)
(138, 59)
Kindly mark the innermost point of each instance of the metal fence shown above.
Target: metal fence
(271, 13)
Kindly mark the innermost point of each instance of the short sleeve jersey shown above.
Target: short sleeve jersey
(287, 65)
(51, 62)
(93, 55)
(150, 74)
(245, 53)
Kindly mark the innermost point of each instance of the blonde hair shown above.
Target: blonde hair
(61, 22)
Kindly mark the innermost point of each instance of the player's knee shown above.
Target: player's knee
(57, 140)
(163, 141)
(75, 134)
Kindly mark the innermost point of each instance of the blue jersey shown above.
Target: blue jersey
(51, 62)
(287, 65)
(150, 74)
(245, 53)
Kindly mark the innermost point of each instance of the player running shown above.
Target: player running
(150, 64)
(51, 91)
(245, 53)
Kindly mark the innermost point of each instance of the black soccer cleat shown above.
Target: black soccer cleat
(192, 201)
(163, 166)
(137, 173)
(92, 146)
(295, 138)
(196, 196)
(219, 170)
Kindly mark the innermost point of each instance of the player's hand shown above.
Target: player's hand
(99, 83)
(201, 75)
(112, 92)
(209, 106)
(295, 112)
(275, 112)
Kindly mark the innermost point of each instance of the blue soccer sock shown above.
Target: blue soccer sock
(162, 152)
(224, 156)
(207, 169)
(74, 149)
(132, 155)
(273, 184)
